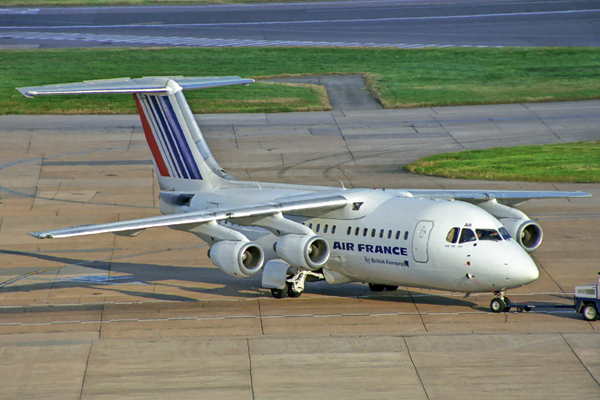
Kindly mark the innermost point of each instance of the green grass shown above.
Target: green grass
(569, 162)
(398, 78)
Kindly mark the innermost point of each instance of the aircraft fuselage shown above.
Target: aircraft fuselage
(395, 240)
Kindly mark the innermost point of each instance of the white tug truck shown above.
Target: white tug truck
(587, 300)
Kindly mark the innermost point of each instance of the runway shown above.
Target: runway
(400, 24)
(114, 317)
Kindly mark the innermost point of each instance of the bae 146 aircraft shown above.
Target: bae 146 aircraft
(457, 240)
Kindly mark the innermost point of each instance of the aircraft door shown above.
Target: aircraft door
(421, 240)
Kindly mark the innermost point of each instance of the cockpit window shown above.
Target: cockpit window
(467, 235)
(504, 233)
(488, 234)
(452, 236)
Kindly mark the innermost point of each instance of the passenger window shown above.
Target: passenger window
(467, 235)
(504, 233)
(310, 225)
(356, 231)
(381, 234)
(398, 235)
(406, 235)
(349, 231)
(325, 228)
(365, 231)
(452, 235)
(318, 227)
(373, 233)
(390, 234)
(488, 234)
(333, 230)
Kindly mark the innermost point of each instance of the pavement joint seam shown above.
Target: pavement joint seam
(418, 312)
(550, 276)
(37, 183)
(415, 367)
(543, 122)
(447, 132)
(250, 367)
(87, 363)
(130, 138)
(30, 140)
(579, 359)
(262, 328)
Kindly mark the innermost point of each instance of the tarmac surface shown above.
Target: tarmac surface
(108, 317)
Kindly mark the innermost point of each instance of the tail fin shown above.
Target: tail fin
(182, 159)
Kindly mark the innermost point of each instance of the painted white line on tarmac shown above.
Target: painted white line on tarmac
(315, 21)
(200, 42)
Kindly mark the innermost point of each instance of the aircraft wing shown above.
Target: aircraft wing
(153, 85)
(133, 227)
(502, 196)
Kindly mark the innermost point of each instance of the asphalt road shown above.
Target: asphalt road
(350, 23)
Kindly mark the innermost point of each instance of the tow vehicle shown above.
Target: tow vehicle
(587, 300)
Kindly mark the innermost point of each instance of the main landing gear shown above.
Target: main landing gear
(294, 284)
(375, 287)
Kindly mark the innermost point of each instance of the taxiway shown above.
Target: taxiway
(112, 317)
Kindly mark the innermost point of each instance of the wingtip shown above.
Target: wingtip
(41, 235)
(26, 93)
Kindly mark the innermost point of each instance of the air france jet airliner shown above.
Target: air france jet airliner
(457, 240)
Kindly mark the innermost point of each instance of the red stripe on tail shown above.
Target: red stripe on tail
(156, 154)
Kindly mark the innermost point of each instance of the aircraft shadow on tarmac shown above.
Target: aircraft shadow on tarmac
(129, 274)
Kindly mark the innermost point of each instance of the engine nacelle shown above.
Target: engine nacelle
(526, 232)
(237, 258)
(303, 251)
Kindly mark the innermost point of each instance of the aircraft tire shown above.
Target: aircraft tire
(375, 287)
(589, 312)
(280, 293)
(391, 288)
(508, 304)
(292, 293)
(497, 305)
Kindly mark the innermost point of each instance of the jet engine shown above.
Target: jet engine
(525, 231)
(237, 258)
(304, 251)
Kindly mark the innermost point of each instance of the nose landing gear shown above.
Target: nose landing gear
(500, 303)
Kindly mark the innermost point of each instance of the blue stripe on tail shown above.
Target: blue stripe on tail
(174, 145)
(184, 148)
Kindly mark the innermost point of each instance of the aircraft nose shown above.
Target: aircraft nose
(522, 270)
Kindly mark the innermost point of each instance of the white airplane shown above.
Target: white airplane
(456, 240)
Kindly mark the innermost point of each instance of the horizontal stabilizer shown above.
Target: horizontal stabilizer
(150, 85)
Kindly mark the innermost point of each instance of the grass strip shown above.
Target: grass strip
(565, 162)
(398, 78)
